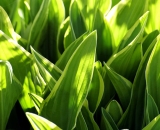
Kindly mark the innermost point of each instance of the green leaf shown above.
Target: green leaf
(107, 122)
(154, 124)
(104, 37)
(121, 85)
(55, 18)
(73, 85)
(114, 110)
(37, 100)
(34, 8)
(40, 123)
(6, 25)
(151, 107)
(10, 90)
(89, 117)
(153, 19)
(60, 36)
(128, 58)
(76, 17)
(50, 67)
(103, 5)
(152, 73)
(24, 69)
(6, 5)
(63, 60)
(123, 16)
(39, 25)
(20, 16)
(96, 90)
(68, 37)
(149, 39)
(137, 28)
(49, 72)
(81, 124)
(134, 115)
(89, 7)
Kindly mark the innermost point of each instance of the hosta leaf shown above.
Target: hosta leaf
(39, 25)
(10, 90)
(137, 28)
(107, 122)
(49, 72)
(121, 85)
(153, 72)
(6, 5)
(60, 36)
(134, 115)
(37, 100)
(153, 19)
(154, 124)
(96, 91)
(103, 5)
(76, 17)
(63, 60)
(6, 25)
(148, 40)
(68, 37)
(34, 8)
(122, 17)
(55, 18)
(114, 110)
(128, 58)
(109, 91)
(89, 7)
(24, 68)
(151, 107)
(81, 124)
(104, 37)
(73, 85)
(50, 67)
(20, 15)
(89, 117)
(114, 2)
(40, 123)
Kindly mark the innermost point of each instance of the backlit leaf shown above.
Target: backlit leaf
(10, 90)
(73, 85)
(40, 123)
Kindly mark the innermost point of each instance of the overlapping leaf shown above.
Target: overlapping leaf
(153, 72)
(107, 122)
(70, 91)
(123, 16)
(128, 58)
(121, 85)
(96, 91)
(114, 110)
(40, 123)
(23, 66)
(10, 90)
(134, 115)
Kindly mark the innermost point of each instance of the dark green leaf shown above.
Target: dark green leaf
(121, 85)
(96, 91)
(151, 107)
(114, 110)
(107, 122)
(76, 18)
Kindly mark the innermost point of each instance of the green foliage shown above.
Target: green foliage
(79, 64)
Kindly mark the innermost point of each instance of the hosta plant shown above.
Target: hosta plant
(79, 64)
